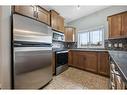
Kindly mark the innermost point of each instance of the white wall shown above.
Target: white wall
(5, 46)
(97, 19)
(0, 48)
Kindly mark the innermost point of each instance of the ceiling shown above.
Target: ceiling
(71, 13)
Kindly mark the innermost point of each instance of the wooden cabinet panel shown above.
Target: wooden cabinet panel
(103, 63)
(124, 24)
(115, 26)
(70, 58)
(85, 60)
(75, 59)
(97, 62)
(69, 34)
(81, 60)
(54, 19)
(57, 21)
(26, 10)
(91, 61)
(43, 15)
(60, 23)
(35, 12)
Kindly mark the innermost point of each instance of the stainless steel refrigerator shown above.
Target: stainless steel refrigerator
(32, 53)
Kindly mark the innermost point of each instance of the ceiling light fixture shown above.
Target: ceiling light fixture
(78, 7)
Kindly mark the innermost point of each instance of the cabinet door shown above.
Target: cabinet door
(124, 24)
(60, 23)
(26, 10)
(69, 34)
(43, 15)
(70, 58)
(81, 60)
(54, 17)
(115, 26)
(103, 64)
(91, 61)
(75, 58)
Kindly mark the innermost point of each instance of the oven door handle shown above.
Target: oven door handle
(61, 52)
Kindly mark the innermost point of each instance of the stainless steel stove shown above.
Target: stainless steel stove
(61, 61)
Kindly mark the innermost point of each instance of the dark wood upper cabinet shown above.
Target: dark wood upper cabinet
(70, 58)
(43, 15)
(103, 63)
(61, 23)
(34, 12)
(57, 21)
(117, 25)
(26, 10)
(54, 15)
(70, 33)
(124, 24)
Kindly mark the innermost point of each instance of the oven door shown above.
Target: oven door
(61, 61)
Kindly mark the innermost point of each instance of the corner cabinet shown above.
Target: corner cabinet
(70, 34)
(117, 25)
(34, 12)
(57, 21)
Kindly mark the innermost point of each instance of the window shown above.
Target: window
(93, 38)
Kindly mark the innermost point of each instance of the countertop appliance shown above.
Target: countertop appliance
(32, 53)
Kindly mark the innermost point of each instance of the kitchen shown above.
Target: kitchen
(84, 50)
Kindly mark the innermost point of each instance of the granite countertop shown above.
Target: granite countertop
(120, 59)
(98, 50)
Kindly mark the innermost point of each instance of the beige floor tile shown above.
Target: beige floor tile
(78, 79)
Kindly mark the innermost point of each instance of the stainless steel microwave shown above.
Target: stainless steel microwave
(58, 36)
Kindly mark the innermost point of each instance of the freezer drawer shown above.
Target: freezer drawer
(32, 67)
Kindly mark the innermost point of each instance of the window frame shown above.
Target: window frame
(88, 31)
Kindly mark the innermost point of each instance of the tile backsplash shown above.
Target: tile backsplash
(116, 44)
(70, 45)
(64, 45)
(110, 44)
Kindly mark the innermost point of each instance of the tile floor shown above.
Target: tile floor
(78, 79)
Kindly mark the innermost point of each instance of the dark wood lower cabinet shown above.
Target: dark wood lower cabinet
(75, 59)
(88, 61)
(96, 62)
(103, 63)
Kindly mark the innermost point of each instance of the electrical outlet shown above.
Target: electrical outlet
(115, 45)
(120, 45)
(109, 45)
